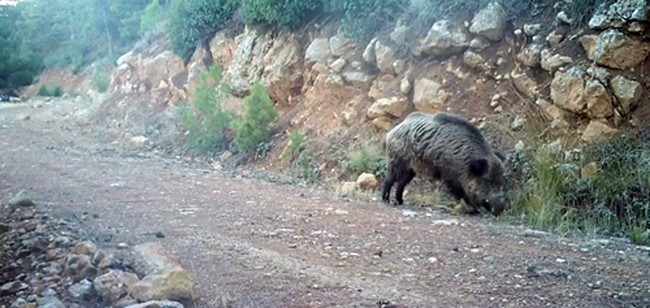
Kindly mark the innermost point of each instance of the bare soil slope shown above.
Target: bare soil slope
(269, 245)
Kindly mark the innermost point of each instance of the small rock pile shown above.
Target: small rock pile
(50, 262)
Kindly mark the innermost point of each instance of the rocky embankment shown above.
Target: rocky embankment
(52, 262)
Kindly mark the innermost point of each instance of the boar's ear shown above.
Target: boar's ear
(478, 167)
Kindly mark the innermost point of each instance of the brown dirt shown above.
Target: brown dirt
(269, 245)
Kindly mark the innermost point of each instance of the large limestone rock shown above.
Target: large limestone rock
(617, 14)
(575, 91)
(599, 103)
(164, 276)
(490, 22)
(444, 38)
(474, 60)
(340, 45)
(551, 61)
(627, 92)
(318, 51)
(114, 284)
(614, 49)
(357, 78)
(524, 83)
(161, 68)
(568, 89)
(274, 59)
(598, 131)
(385, 57)
(170, 283)
(531, 55)
(369, 53)
(367, 181)
(429, 96)
(394, 106)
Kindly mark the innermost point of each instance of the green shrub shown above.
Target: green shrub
(258, 116)
(195, 20)
(366, 157)
(206, 122)
(553, 190)
(101, 79)
(363, 18)
(57, 91)
(43, 91)
(296, 144)
(582, 11)
(284, 13)
(308, 170)
(153, 17)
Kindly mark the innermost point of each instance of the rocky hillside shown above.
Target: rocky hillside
(535, 76)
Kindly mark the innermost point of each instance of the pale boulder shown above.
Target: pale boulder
(445, 37)
(490, 22)
(627, 92)
(429, 96)
(612, 48)
(598, 131)
(394, 106)
(367, 181)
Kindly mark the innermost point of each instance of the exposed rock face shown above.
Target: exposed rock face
(619, 13)
(568, 89)
(474, 60)
(385, 57)
(551, 61)
(598, 131)
(275, 60)
(340, 45)
(369, 52)
(394, 106)
(599, 103)
(525, 84)
(444, 38)
(164, 276)
(429, 95)
(318, 50)
(490, 22)
(627, 92)
(614, 49)
(530, 56)
(576, 91)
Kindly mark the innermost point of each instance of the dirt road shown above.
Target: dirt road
(269, 245)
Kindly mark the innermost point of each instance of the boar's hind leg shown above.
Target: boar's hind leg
(404, 180)
(400, 172)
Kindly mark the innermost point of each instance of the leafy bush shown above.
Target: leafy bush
(195, 20)
(101, 79)
(18, 64)
(284, 13)
(366, 157)
(363, 18)
(43, 91)
(253, 128)
(57, 91)
(206, 122)
(605, 189)
(296, 145)
(153, 17)
(307, 168)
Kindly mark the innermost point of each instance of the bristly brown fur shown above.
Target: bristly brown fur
(444, 147)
